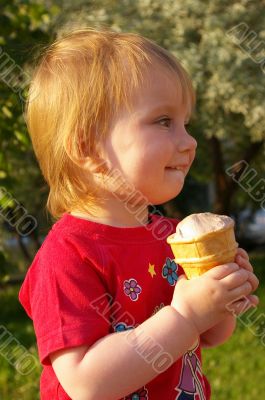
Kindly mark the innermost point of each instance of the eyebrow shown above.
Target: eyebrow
(162, 107)
(167, 107)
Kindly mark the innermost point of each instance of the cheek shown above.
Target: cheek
(147, 175)
(149, 162)
(141, 158)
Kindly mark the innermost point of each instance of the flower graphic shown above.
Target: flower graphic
(170, 271)
(121, 327)
(131, 289)
(141, 394)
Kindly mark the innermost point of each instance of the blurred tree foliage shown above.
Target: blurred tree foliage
(226, 67)
(23, 26)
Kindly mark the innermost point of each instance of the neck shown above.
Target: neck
(115, 213)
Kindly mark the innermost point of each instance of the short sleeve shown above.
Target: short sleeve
(59, 293)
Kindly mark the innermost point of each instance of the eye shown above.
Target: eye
(165, 122)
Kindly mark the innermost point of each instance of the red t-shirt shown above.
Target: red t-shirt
(89, 280)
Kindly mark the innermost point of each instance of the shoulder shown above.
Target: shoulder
(68, 241)
(68, 261)
(67, 251)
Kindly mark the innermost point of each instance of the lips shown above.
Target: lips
(182, 168)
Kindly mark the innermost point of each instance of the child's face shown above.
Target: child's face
(151, 145)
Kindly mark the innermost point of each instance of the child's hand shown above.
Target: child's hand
(204, 301)
(241, 306)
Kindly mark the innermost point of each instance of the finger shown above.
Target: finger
(240, 306)
(236, 279)
(244, 290)
(241, 252)
(253, 281)
(243, 263)
(221, 271)
(254, 300)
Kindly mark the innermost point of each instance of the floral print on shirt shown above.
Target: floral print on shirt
(140, 394)
(121, 327)
(169, 271)
(131, 289)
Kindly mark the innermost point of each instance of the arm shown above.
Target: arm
(219, 333)
(124, 360)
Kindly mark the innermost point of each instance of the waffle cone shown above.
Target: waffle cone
(200, 254)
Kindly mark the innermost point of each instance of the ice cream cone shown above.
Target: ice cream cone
(202, 250)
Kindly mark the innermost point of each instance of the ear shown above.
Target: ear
(82, 156)
(95, 165)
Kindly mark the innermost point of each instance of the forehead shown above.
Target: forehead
(161, 87)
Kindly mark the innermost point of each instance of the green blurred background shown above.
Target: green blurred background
(222, 45)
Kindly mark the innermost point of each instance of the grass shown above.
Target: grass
(235, 369)
(14, 385)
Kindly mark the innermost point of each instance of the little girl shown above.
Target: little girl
(114, 316)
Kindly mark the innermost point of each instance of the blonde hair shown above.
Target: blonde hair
(81, 82)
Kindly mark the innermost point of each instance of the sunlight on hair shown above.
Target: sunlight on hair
(81, 83)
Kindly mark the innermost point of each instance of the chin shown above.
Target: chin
(163, 199)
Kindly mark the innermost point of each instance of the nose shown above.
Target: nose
(186, 142)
